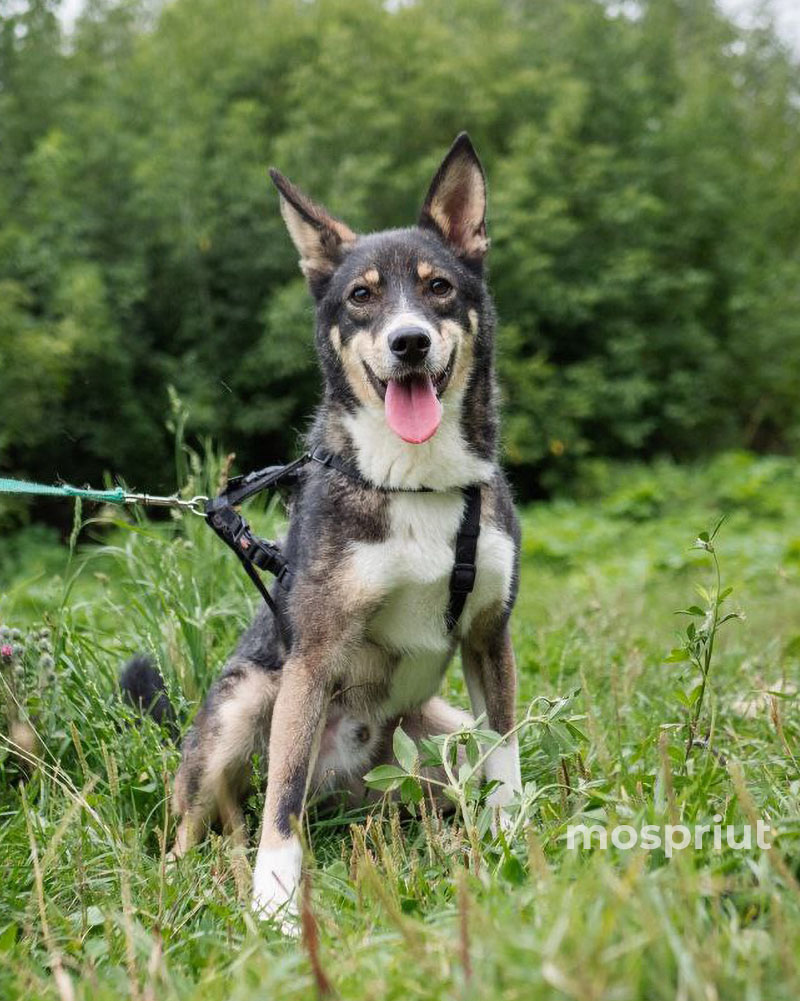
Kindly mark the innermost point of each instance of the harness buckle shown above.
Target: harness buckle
(462, 579)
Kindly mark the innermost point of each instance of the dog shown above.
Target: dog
(405, 332)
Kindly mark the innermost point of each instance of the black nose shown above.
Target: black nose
(409, 344)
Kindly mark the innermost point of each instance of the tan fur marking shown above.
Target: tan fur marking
(359, 348)
(224, 765)
(424, 270)
(454, 336)
(297, 718)
(372, 277)
(189, 833)
(345, 595)
(336, 339)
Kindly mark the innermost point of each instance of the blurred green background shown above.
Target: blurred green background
(644, 168)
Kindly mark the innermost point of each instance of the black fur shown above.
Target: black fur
(143, 688)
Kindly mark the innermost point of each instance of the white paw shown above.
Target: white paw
(502, 766)
(499, 800)
(501, 821)
(501, 796)
(276, 885)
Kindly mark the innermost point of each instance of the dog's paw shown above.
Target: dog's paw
(499, 800)
(503, 821)
(276, 885)
(502, 767)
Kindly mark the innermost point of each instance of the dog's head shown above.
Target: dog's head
(400, 314)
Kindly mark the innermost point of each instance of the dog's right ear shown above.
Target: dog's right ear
(321, 240)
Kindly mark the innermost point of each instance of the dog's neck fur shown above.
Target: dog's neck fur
(460, 453)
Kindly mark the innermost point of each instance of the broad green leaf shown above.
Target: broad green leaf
(550, 743)
(385, 777)
(411, 790)
(405, 750)
(676, 656)
(8, 936)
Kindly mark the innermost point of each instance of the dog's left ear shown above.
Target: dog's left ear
(321, 240)
(456, 202)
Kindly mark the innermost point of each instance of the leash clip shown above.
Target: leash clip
(194, 505)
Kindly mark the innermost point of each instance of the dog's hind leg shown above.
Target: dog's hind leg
(434, 718)
(232, 725)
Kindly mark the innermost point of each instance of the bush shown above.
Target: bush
(645, 210)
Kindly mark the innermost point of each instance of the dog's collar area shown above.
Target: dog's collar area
(265, 554)
(351, 470)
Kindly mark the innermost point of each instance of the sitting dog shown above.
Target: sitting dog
(381, 597)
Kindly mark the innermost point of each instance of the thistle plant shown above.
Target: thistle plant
(27, 669)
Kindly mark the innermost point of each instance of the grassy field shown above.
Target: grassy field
(431, 908)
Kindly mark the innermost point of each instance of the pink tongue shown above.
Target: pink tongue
(412, 409)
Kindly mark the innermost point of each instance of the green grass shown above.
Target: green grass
(406, 908)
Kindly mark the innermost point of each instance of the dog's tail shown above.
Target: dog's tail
(143, 689)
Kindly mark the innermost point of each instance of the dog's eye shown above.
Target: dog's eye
(360, 294)
(440, 286)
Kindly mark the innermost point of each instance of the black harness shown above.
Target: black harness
(264, 554)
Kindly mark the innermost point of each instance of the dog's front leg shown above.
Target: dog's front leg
(491, 676)
(296, 721)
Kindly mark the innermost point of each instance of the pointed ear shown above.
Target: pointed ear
(456, 202)
(321, 240)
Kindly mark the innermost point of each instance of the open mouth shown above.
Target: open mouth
(439, 382)
(412, 401)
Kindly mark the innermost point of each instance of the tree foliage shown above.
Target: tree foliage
(645, 209)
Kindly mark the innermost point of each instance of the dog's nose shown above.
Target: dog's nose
(409, 344)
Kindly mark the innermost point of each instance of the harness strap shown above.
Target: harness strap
(462, 579)
(253, 552)
(351, 470)
(239, 488)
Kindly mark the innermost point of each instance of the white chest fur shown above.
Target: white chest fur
(441, 462)
(411, 571)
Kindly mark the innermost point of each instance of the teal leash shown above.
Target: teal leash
(196, 505)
